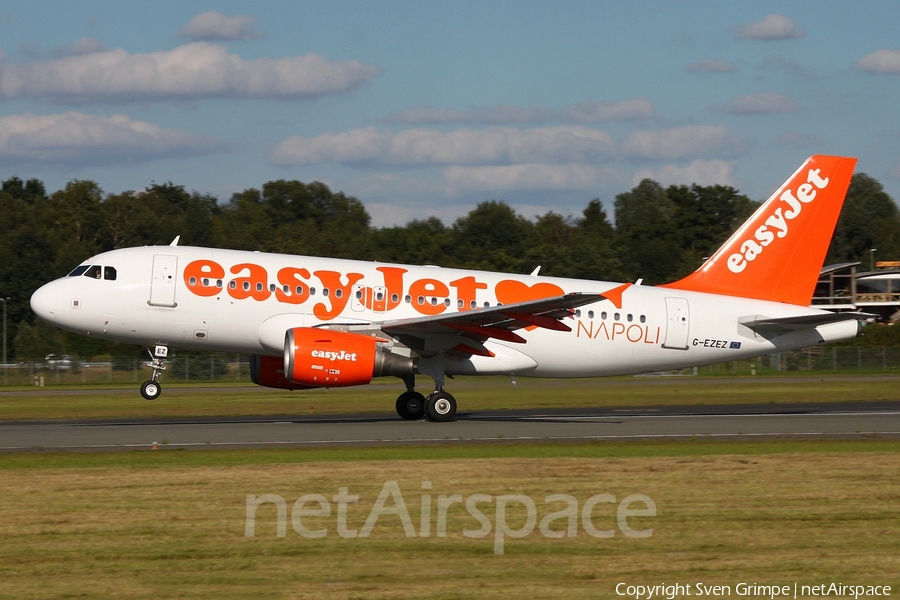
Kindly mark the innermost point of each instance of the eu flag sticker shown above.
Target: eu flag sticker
(735, 346)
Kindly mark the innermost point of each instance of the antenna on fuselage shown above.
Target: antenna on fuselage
(175, 241)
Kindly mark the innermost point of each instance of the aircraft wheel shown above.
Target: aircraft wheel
(411, 405)
(440, 406)
(150, 390)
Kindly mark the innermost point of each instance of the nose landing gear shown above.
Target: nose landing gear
(151, 389)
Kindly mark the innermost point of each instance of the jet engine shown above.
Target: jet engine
(316, 357)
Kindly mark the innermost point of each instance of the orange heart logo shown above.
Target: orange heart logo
(510, 291)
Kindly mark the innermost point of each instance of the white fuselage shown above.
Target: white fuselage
(243, 302)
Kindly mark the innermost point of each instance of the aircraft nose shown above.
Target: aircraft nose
(43, 302)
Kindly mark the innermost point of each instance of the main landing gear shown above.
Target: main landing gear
(151, 389)
(439, 406)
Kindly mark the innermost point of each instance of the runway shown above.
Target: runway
(803, 421)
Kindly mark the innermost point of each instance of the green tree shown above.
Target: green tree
(704, 218)
(646, 233)
(869, 219)
(492, 237)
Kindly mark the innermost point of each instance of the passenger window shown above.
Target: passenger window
(643, 318)
(603, 315)
(78, 271)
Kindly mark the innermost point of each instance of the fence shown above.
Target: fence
(127, 369)
(214, 367)
(821, 359)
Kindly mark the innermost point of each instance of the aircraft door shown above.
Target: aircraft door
(162, 285)
(678, 323)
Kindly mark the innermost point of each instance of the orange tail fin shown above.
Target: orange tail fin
(778, 253)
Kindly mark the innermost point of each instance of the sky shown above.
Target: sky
(426, 108)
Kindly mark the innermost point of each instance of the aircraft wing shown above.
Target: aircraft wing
(759, 322)
(466, 331)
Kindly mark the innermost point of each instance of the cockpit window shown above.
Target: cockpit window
(109, 273)
(94, 271)
(78, 271)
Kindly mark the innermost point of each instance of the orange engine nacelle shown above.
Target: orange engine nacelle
(325, 358)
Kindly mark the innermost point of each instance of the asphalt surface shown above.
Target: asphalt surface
(804, 421)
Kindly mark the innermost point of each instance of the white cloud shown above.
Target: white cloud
(587, 112)
(884, 62)
(686, 142)
(85, 45)
(213, 25)
(495, 145)
(531, 177)
(75, 138)
(760, 104)
(502, 146)
(701, 172)
(773, 27)
(800, 140)
(709, 65)
(193, 71)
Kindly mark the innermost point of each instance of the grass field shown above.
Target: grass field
(172, 524)
(473, 393)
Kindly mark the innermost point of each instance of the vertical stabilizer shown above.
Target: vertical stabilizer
(778, 253)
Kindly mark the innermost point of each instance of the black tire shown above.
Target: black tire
(151, 390)
(411, 406)
(440, 407)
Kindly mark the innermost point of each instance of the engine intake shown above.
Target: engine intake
(325, 358)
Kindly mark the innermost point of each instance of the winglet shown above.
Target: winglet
(778, 253)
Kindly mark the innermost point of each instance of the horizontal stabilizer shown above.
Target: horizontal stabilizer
(798, 323)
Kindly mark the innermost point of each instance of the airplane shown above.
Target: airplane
(314, 322)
